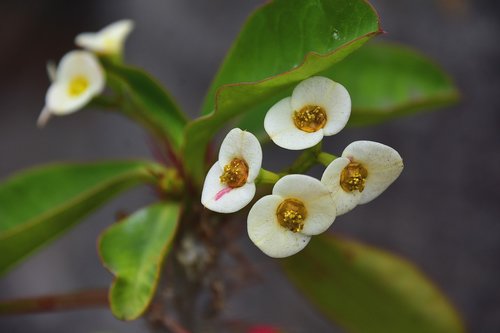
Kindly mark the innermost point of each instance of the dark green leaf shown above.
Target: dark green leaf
(146, 101)
(281, 44)
(385, 81)
(366, 290)
(133, 250)
(40, 204)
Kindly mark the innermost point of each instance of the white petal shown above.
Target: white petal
(382, 162)
(344, 201)
(330, 95)
(81, 63)
(220, 198)
(244, 145)
(321, 210)
(109, 40)
(59, 102)
(74, 64)
(118, 30)
(321, 213)
(280, 127)
(268, 235)
(91, 41)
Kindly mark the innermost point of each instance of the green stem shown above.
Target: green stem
(105, 102)
(305, 161)
(267, 177)
(325, 158)
(171, 183)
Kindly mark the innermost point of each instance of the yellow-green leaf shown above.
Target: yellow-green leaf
(40, 204)
(133, 250)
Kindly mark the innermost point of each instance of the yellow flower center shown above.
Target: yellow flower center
(291, 214)
(235, 173)
(353, 177)
(78, 85)
(310, 118)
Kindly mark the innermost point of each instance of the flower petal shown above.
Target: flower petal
(109, 40)
(383, 163)
(74, 64)
(242, 144)
(344, 201)
(280, 127)
(330, 95)
(220, 198)
(59, 102)
(81, 63)
(268, 235)
(321, 210)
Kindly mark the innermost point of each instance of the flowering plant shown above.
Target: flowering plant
(297, 94)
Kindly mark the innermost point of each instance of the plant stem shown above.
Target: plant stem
(306, 160)
(72, 301)
(325, 158)
(267, 177)
(104, 102)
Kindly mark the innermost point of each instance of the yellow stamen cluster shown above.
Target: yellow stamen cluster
(77, 85)
(310, 118)
(291, 214)
(235, 173)
(353, 177)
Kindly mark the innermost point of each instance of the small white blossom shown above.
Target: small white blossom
(281, 224)
(318, 107)
(78, 78)
(229, 185)
(109, 40)
(364, 171)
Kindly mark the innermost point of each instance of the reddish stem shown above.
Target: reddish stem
(72, 301)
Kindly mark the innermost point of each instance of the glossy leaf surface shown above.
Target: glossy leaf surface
(281, 44)
(40, 204)
(366, 290)
(146, 101)
(133, 251)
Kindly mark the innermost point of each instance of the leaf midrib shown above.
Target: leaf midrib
(50, 213)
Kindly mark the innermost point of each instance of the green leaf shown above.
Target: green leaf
(281, 44)
(366, 290)
(385, 81)
(392, 81)
(40, 204)
(133, 250)
(145, 100)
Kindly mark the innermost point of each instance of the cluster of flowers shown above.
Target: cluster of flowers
(300, 206)
(79, 77)
(282, 223)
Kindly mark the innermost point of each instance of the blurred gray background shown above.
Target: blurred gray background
(442, 213)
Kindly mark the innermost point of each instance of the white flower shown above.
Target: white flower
(364, 171)
(109, 40)
(318, 107)
(78, 78)
(281, 224)
(229, 185)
